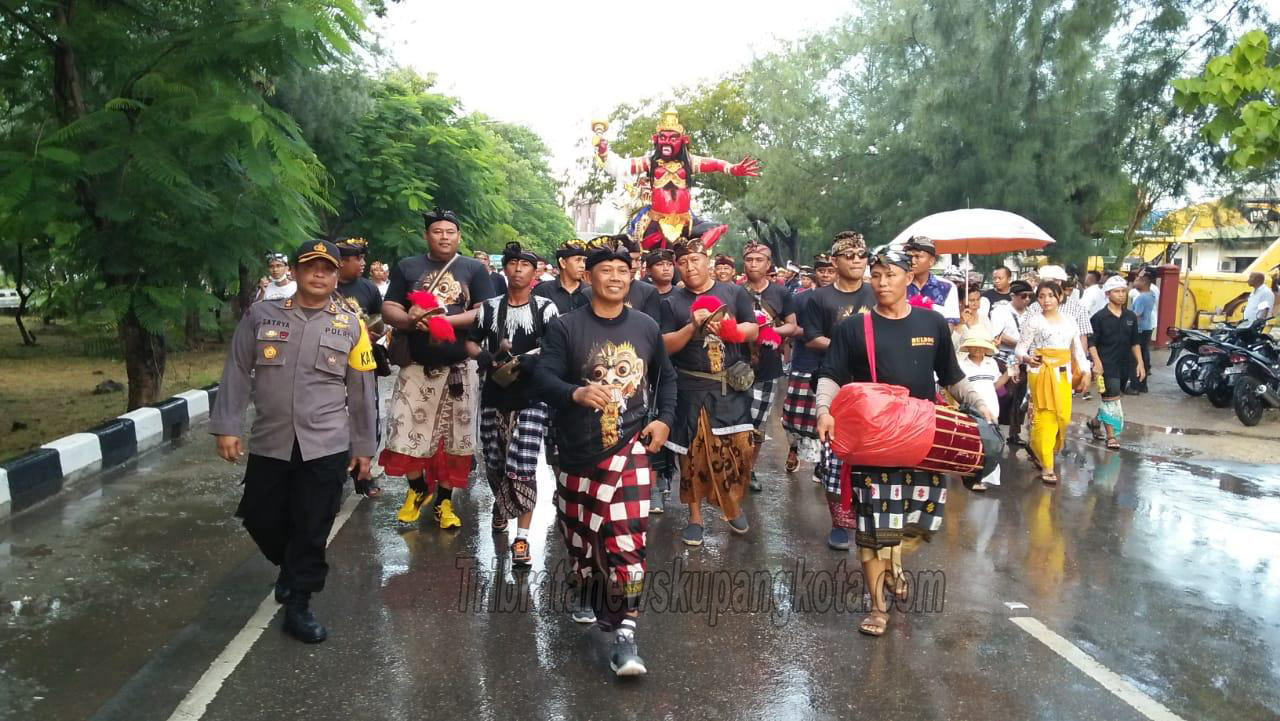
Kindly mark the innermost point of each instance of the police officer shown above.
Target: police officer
(312, 391)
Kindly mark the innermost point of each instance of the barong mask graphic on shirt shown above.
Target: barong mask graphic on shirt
(618, 366)
(448, 291)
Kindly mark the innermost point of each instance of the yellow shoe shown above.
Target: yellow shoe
(446, 516)
(412, 508)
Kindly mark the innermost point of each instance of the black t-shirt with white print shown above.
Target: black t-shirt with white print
(706, 353)
(581, 348)
(522, 325)
(910, 352)
(465, 284)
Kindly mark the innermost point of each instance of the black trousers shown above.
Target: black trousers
(288, 509)
(1144, 344)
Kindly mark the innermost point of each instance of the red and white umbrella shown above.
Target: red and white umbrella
(977, 231)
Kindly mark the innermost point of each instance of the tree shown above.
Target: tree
(393, 149)
(1056, 111)
(1240, 92)
(531, 191)
(143, 129)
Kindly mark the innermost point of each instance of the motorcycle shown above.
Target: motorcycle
(1190, 371)
(1204, 373)
(1257, 387)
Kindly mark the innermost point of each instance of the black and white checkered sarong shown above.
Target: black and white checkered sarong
(828, 470)
(762, 402)
(512, 441)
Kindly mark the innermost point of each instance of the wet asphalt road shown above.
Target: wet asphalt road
(119, 597)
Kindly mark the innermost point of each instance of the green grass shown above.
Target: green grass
(49, 387)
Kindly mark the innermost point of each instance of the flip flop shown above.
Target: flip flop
(1095, 427)
(1113, 444)
(874, 624)
(1049, 478)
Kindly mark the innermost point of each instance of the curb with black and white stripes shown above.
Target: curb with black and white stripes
(34, 476)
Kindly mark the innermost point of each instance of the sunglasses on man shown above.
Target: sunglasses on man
(852, 255)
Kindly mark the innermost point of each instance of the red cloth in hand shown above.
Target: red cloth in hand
(729, 331)
(921, 301)
(705, 302)
(769, 337)
(440, 330)
(423, 299)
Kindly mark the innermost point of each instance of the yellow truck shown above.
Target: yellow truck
(1218, 248)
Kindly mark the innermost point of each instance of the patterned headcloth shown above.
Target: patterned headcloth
(723, 259)
(847, 241)
(823, 260)
(659, 255)
(757, 248)
(889, 256)
(570, 248)
(607, 247)
(681, 247)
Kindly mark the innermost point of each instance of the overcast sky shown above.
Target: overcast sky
(553, 65)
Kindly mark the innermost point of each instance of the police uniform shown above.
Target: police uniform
(310, 378)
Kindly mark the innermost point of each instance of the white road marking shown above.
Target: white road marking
(1014, 605)
(203, 692)
(1109, 680)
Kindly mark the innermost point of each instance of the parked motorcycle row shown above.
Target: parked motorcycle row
(1233, 366)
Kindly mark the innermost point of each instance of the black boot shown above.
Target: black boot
(282, 591)
(298, 621)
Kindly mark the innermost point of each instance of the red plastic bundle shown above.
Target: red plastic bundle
(921, 301)
(880, 425)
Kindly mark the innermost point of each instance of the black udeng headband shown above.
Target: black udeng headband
(438, 215)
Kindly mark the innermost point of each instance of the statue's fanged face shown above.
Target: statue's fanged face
(669, 143)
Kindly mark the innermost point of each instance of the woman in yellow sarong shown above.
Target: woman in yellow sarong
(1056, 362)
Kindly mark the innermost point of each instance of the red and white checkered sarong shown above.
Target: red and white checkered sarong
(604, 518)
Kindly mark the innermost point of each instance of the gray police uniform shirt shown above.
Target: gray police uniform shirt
(312, 381)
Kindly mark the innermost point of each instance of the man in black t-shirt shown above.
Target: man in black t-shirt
(363, 298)
(601, 369)
(819, 311)
(431, 437)
(825, 309)
(1001, 278)
(705, 325)
(775, 309)
(662, 271)
(912, 347)
(640, 296)
(1113, 346)
(504, 341)
(567, 291)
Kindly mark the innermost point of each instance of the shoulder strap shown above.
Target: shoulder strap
(871, 343)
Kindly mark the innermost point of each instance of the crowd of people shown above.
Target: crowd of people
(627, 370)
